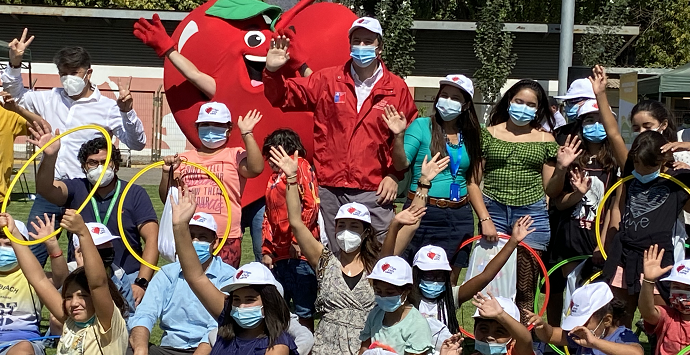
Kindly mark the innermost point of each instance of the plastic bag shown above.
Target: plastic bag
(504, 284)
(166, 239)
(678, 239)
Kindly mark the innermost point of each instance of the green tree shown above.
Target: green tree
(601, 45)
(493, 48)
(664, 34)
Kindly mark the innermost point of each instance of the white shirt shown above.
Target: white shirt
(559, 121)
(363, 88)
(63, 113)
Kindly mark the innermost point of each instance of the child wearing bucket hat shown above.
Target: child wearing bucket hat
(671, 324)
(394, 322)
(593, 326)
(497, 327)
(254, 317)
(431, 273)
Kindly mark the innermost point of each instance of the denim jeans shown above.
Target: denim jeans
(504, 217)
(41, 206)
(253, 217)
(299, 285)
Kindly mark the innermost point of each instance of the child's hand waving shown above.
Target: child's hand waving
(410, 216)
(521, 228)
(286, 163)
(583, 337)
(488, 306)
(451, 346)
(652, 263)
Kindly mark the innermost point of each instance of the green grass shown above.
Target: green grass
(20, 210)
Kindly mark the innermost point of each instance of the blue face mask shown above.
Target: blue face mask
(432, 289)
(203, 250)
(448, 109)
(491, 348)
(390, 303)
(248, 317)
(213, 137)
(594, 133)
(8, 259)
(87, 323)
(646, 178)
(362, 56)
(571, 111)
(521, 114)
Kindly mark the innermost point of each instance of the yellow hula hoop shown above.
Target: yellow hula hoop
(109, 149)
(597, 229)
(215, 179)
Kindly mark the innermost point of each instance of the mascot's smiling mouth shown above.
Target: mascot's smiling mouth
(255, 66)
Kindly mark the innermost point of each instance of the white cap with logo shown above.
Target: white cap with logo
(205, 220)
(393, 270)
(354, 210)
(215, 112)
(589, 106)
(99, 233)
(579, 89)
(254, 273)
(508, 306)
(368, 23)
(21, 227)
(431, 258)
(680, 273)
(586, 301)
(459, 81)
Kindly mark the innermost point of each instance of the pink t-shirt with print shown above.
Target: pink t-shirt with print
(209, 198)
(672, 332)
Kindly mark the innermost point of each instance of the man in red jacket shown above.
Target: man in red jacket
(360, 111)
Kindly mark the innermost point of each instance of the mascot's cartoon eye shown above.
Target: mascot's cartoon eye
(254, 38)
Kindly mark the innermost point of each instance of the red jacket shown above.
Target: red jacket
(276, 232)
(351, 149)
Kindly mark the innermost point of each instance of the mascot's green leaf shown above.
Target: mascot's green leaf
(243, 10)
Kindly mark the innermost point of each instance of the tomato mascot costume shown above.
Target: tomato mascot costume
(228, 40)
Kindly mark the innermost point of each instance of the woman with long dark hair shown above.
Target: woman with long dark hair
(520, 160)
(453, 131)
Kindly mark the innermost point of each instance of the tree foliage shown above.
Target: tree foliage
(664, 34)
(493, 48)
(601, 44)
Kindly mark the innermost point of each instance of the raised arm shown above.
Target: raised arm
(54, 191)
(58, 264)
(409, 217)
(599, 81)
(93, 267)
(521, 229)
(33, 271)
(127, 125)
(545, 332)
(581, 183)
(310, 247)
(566, 155)
(490, 308)
(182, 212)
(172, 162)
(10, 104)
(253, 165)
(397, 124)
(652, 271)
(12, 76)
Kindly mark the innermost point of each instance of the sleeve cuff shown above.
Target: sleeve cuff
(129, 116)
(141, 322)
(13, 72)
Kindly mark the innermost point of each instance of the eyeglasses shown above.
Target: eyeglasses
(92, 163)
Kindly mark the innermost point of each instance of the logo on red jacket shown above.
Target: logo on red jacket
(381, 105)
(387, 268)
(242, 274)
(339, 97)
(433, 256)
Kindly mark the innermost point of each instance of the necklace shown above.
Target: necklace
(451, 145)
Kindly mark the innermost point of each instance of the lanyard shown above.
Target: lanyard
(455, 163)
(110, 208)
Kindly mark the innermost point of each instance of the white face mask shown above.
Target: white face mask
(93, 174)
(348, 241)
(73, 84)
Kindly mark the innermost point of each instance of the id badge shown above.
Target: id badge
(455, 192)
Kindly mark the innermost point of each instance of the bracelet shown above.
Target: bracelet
(485, 219)
(648, 281)
(244, 134)
(292, 176)
(424, 186)
(421, 195)
(53, 256)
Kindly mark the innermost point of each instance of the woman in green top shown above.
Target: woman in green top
(452, 131)
(520, 159)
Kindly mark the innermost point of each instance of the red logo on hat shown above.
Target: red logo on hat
(455, 78)
(351, 210)
(239, 274)
(361, 21)
(431, 255)
(596, 106)
(96, 230)
(681, 267)
(385, 267)
(196, 217)
(209, 109)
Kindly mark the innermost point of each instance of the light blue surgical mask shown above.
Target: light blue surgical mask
(8, 259)
(362, 56)
(521, 114)
(571, 111)
(247, 317)
(203, 250)
(491, 348)
(390, 303)
(594, 133)
(87, 323)
(646, 178)
(432, 289)
(213, 137)
(448, 109)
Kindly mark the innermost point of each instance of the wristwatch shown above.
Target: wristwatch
(142, 282)
(422, 185)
